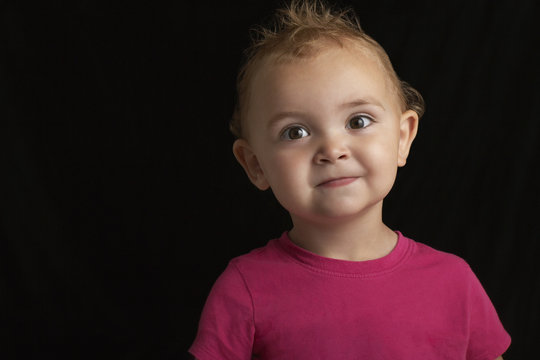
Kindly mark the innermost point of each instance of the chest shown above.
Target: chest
(390, 317)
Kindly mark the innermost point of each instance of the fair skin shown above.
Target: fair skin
(327, 135)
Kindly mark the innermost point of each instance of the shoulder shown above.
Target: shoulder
(259, 259)
(255, 264)
(440, 265)
(429, 255)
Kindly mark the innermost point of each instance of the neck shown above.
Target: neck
(356, 239)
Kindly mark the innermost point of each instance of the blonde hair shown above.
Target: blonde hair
(302, 29)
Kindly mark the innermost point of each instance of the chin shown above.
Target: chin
(341, 214)
(351, 210)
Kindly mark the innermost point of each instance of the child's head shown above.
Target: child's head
(322, 118)
(301, 31)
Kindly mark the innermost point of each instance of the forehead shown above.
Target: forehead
(332, 61)
(336, 74)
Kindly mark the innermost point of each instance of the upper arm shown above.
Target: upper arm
(226, 327)
(487, 336)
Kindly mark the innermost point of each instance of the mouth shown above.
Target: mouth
(337, 182)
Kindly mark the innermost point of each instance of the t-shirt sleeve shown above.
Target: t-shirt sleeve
(487, 337)
(226, 326)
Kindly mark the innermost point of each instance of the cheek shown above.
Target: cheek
(284, 169)
(379, 153)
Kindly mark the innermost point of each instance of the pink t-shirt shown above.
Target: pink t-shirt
(283, 302)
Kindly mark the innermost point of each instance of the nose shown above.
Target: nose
(331, 149)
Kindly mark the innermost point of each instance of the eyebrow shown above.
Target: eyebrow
(358, 102)
(345, 105)
(282, 115)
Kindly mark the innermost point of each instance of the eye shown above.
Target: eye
(294, 133)
(359, 122)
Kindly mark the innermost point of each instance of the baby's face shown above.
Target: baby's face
(326, 134)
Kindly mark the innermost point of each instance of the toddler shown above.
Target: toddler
(324, 122)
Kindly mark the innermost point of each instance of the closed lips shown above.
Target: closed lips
(340, 181)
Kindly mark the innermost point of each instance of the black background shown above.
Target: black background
(122, 202)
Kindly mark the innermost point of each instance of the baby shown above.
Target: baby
(324, 122)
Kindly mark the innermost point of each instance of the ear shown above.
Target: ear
(408, 127)
(247, 158)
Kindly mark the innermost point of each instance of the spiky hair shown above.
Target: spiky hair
(301, 30)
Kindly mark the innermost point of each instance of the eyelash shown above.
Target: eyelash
(364, 117)
(286, 133)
